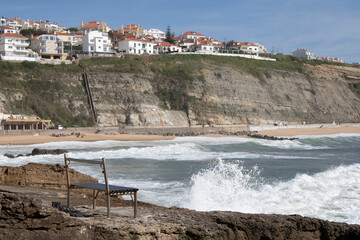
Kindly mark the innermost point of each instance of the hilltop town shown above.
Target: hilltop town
(26, 40)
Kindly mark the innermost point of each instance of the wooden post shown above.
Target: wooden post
(68, 180)
(135, 204)
(94, 199)
(107, 188)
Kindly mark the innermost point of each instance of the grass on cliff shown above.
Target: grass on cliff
(40, 89)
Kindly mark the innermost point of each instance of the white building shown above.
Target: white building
(261, 48)
(136, 46)
(13, 22)
(96, 42)
(303, 53)
(12, 44)
(191, 35)
(7, 29)
(156, 33)
(165, 47)
(50, 27)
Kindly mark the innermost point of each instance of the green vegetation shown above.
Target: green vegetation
(355, 87)
(31, 32)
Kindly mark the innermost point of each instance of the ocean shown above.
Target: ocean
(314, 176)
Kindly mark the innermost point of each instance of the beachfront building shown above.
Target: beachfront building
(48, 46)
(165, 47)
(191, 35)
(157, 34)
(136, 46)
(304, 53)
(10, 122)
(94, 26)
(97, 43)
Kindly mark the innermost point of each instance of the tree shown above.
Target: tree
(31, 32)
(169, 35)
(72, 29)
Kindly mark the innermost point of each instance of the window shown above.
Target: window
(104, 41)
(43, 50)
(92, 48)
(139, 51)
(69, 38)
(134, 44)
(51, 38)
(43, 43)
(46, 38)
(60, 44)
(99, 40)
(143, 45)
(10, 47)
(17, 48)
(59, 51)
(139, 44)
(10, 40)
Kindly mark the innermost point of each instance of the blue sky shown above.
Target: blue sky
(326, 27)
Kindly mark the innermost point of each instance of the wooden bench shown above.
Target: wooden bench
(110, 190)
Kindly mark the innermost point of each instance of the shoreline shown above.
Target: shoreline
(88, 136)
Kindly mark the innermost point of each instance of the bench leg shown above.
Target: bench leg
(108, 204)
(135, 205)
(94, 199)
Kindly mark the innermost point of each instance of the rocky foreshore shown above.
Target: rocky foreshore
(27, 212)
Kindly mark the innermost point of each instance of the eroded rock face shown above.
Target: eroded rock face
(40, 175)
(28, 218)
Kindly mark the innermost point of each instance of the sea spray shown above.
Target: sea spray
(333, 194)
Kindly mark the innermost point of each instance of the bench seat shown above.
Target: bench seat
(114, 190)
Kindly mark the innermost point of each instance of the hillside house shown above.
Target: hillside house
(97, 43)
(94, 26)
(304, 53)
(48, 46)
(133, 29)
(165, 47)
(156, 34)
(191, 35)
(8, 29)
(136, 46)
(13, 44)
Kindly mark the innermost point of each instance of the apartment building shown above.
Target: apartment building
(136, 46)
(96, 43)
(48, 46)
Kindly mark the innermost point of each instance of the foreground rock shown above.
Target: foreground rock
(27, 213)
(40, 175)
(31, 218)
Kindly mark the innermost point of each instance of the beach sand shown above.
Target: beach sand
(45, 137)
(88, 137)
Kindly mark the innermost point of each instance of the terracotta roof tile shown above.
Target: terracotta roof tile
(15, 35)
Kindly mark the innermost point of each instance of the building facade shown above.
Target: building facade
(48, 46)
(13, 44)
(96, 42)
(304, 53)
(136, 46)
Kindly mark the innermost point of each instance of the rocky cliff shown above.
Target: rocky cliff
(186, 90)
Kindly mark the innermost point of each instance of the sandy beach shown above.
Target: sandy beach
(44, 137)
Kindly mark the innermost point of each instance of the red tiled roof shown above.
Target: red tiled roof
(14, 35)
(136, 39)
(90, 25)
(7, 27)
(192, 33)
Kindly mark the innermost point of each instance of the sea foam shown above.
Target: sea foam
(333, 194)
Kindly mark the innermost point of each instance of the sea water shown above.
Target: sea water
(315, 176)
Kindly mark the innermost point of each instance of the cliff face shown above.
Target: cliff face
(183, 90)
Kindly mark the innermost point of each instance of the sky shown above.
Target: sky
(326, 27)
